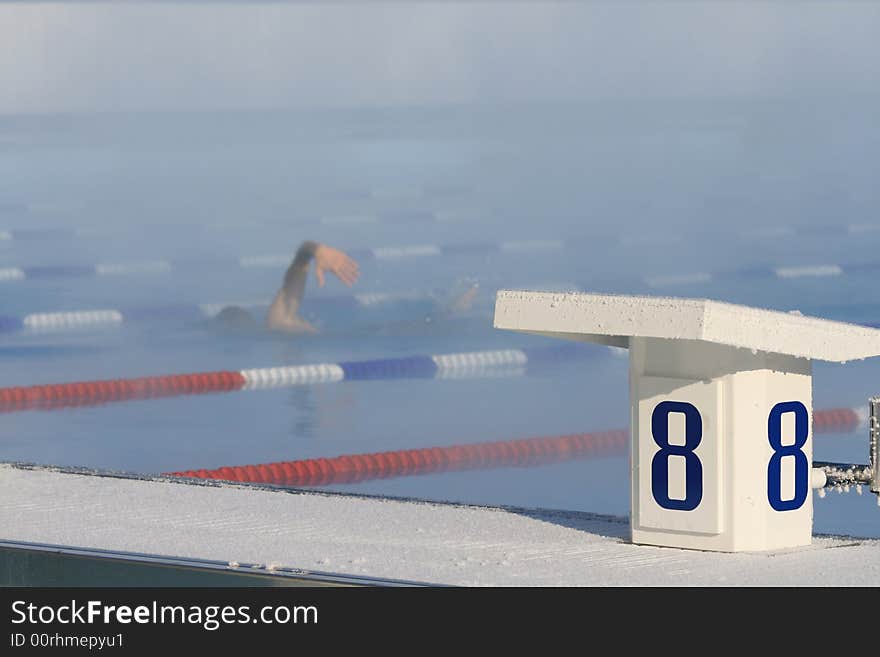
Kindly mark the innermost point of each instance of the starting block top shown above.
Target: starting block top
(612, 319)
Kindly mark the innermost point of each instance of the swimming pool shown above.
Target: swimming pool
(604, 204)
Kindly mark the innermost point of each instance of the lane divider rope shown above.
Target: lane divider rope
(55, 322)
(78, 320)
(416, 217)
(34, 234)
(274, 261)
(468, 364)
(396, 253)
(354, 468)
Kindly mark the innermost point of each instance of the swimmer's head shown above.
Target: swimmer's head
(234, 319)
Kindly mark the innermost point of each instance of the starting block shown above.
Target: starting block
(721, 410)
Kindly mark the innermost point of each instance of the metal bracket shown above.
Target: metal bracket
(850, 474)
(874, 443)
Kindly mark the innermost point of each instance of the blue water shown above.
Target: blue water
(633, 191)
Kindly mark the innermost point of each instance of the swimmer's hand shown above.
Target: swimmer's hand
(333, 260)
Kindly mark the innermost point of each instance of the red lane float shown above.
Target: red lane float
(355, 468)
(86, 393)
(832, 420)
(403, 463)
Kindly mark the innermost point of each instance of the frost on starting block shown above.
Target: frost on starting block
(721, 406)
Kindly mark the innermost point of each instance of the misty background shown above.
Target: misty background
(183, 56)
(780, 97)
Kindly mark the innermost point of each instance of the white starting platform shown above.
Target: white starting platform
(721, 410)
(297, 537)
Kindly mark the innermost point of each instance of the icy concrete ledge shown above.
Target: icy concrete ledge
(389, 538)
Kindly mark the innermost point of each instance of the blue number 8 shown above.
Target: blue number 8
(801, 465)
(693, 431)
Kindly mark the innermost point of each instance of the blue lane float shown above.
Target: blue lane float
(412, 367)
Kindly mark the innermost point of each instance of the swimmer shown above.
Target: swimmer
(283, 314)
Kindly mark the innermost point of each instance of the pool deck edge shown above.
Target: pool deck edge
(367, 539)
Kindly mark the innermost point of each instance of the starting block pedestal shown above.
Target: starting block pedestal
(721, 409)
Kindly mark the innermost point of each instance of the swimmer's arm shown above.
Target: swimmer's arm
(284, 311)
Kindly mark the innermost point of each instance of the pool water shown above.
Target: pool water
(629, 194)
